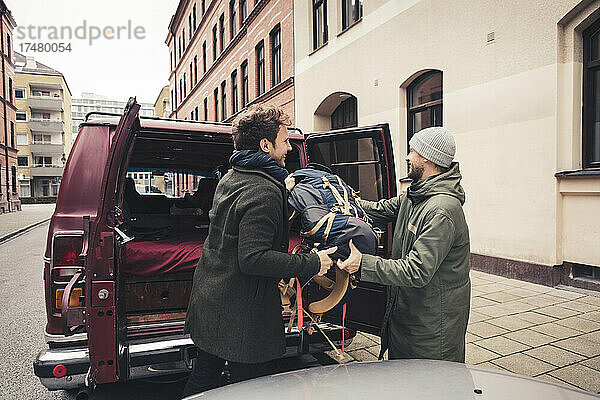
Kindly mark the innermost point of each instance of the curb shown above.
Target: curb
(22, 230)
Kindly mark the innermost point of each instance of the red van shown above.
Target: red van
(115, 299)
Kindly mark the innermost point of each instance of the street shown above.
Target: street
(22, 330)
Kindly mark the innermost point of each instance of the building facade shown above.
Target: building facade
(9, 194)
(516, 83)
(90, 102)
(43, 127)
(162, 105)
(228, 54)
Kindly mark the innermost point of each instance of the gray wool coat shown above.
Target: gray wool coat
(235, 308)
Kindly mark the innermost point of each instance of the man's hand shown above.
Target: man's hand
(326, 261)
(352, 263)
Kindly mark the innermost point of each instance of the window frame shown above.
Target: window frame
(234, 92)
(260, 68)
(223, 100)
(590, 97)
(22, 112)
(244, 77)
(243, 11)
(275, 55)
(430, 105)
(24, 93)
(316, 4)
(358, 8)
(232, 19)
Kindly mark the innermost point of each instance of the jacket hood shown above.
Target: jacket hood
(447, 183)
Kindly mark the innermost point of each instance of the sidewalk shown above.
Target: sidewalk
(30, 214)
(548, 333)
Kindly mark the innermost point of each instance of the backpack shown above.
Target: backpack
(330, 212)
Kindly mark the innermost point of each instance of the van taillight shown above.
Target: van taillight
(66, 251)
(65, 264)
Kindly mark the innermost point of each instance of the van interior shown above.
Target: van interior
(167, 190)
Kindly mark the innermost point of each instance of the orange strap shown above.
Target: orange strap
(299, 305)
(343, 325)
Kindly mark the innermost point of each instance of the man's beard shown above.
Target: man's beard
(415, 173)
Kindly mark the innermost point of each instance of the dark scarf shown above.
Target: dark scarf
(256, 159)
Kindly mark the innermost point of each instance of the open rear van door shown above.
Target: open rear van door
(363, 158)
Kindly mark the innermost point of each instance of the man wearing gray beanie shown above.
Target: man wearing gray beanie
(428, 305)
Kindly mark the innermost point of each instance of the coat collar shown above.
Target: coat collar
(258, 171)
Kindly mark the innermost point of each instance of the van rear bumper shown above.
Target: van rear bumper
(152, 358)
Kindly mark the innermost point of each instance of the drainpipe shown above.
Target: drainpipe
(176, 105)
(2, 13)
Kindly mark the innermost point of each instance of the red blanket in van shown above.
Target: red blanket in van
(175, 254)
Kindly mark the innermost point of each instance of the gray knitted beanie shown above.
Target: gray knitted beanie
(435, 144)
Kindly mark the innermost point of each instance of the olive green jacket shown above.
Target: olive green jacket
(235, 307)
(428, 306)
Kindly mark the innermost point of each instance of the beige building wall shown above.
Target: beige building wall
(513, 104)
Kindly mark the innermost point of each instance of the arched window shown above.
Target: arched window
(345, 115)
(424, 102)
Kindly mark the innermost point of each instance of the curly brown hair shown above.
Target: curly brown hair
(257, 122)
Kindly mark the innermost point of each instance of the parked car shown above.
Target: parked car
(116, 294)
(397, 379)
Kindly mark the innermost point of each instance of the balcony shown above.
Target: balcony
(46, 171)
(46, 125)
(45, 103)
(46, 148)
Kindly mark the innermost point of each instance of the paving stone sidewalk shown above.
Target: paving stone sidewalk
(29, 214)
(548, 333)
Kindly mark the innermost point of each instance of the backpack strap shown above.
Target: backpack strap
(327, 218)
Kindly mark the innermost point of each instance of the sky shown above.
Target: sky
(136, 64)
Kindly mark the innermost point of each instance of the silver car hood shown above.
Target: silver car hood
(397, 379)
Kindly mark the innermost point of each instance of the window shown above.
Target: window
(10, 90)
(20, 93)
(180, 90)
(44, 93)
(244, 69)
(206, 109)
(183, 38)
(195, 69)
(243, 11)
(355, 159)
(43, 161)
(42, 139)
(223, 101)
(214, 32)
(24, 188)
(171, 60)
(12, 134)
(591, 97)
(221, 32)
(191, 76)
(346, 114)
(424, 102)
(319, 23)
(216, 98)
(276, 56)
(21, 116)
(13, 178)
(234, 92)
(351, 12)
(8, 50)
(194, 16)
(173, 99)
(179, 47)
(232, 18)
(196, 113)
(260, 68)
(203, 6)
(22, 139)
(184, 85)
(204, 57)
(192, 115)
(23, 161)
(190, 26)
